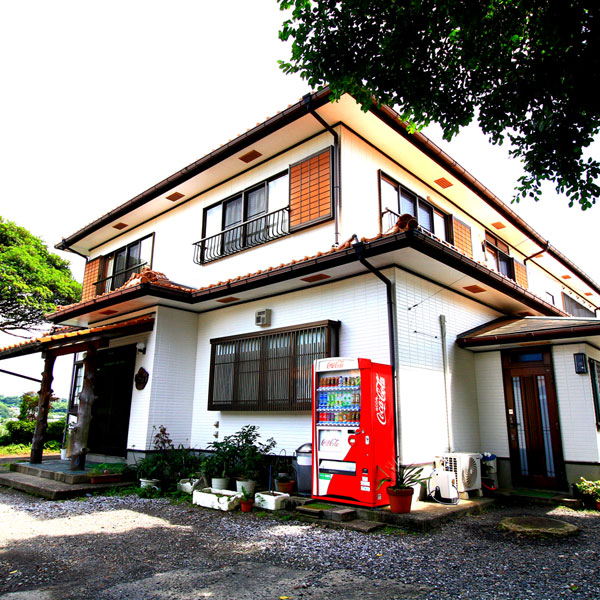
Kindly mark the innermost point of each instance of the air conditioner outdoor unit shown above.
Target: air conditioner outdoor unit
(466, 466)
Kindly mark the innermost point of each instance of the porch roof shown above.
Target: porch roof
(526, 331)
(72, 340)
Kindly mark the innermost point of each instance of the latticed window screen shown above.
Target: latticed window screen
(269, 371)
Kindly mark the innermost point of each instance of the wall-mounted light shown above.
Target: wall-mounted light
(141, 347)
(581, 367)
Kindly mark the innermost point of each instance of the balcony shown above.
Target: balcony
(254, 232)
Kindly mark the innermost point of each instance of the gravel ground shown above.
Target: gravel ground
(127, 547)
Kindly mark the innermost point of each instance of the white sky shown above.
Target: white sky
(101, 100)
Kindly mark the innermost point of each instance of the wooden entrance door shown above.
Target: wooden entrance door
(110, 412)
(533, 421)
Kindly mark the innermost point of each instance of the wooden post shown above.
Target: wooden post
(84, 415)
(37, 444)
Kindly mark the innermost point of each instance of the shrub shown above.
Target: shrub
(21, 432)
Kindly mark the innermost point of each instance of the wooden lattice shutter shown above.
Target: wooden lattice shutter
(90, 277)
(462, 237)
(521, 274)
(310, 190)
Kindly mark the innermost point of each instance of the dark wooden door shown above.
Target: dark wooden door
(110, 412)
(533, 421)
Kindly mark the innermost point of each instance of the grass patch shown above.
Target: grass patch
(19, 449)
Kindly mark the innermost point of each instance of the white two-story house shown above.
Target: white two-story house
(330, 231)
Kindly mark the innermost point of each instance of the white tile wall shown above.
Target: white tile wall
(422, 397)
(575, 404)
(359, 303)
(490, 394)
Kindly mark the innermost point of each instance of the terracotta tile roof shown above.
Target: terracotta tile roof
(71, 335)
(404, 223)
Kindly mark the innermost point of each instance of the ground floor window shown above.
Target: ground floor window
(269, 371)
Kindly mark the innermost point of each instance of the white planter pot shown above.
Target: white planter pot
(218, 499)
(270, 500)
(219, 483)
(248, 484)
(187, 485)
(150, 483)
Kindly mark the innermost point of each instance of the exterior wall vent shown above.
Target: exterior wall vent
(262, 318)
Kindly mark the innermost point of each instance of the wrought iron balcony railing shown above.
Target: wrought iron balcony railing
(254, 232)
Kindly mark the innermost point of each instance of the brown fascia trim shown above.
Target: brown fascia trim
(528, 336)
(287, 116)
(435, 153)
(408, 239)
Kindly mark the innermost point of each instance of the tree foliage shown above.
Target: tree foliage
(526, 70)
(33, 281)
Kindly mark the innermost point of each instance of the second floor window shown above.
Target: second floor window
(497, 253)
(119, 266)
(402, 201)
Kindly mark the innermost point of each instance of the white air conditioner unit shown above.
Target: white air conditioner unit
(262, 318)
(466, 466)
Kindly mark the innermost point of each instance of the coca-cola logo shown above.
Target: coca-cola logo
(330, 443)
(380, 399)
(335, 364)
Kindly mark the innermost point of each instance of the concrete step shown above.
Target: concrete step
(35, 471)
(51, 488)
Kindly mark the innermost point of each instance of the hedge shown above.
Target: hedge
(21, 432)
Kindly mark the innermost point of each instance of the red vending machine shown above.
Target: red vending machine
(353, 430)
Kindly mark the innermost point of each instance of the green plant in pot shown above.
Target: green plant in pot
(249, 455)
(403, 479)
(218, 464)
(247, 500)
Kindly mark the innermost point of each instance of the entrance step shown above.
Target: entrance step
(336, 516)
(68, 477)
(51, 488)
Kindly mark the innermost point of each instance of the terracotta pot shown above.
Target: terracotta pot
(247, 505)
(106, 478)
(285, 487)
(400, 500)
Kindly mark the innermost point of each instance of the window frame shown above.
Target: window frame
(595, 378)
(101, 283)
(262, 381)
(499, 250)
(420, 205)
(243, 196)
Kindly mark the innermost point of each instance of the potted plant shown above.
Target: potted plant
(151, 470)
(218, 463)
(284, 483)
(589, 491)
(246, 500)
(249, 455)
(403, 479)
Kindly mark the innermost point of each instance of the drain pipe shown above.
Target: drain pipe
(447, 391)
(359, 248)
(336, 167)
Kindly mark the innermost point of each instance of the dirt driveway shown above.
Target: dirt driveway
(117, 548)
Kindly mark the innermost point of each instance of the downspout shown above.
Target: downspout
(447, 391)
(336, 167)
(544, 249)
(360, 251)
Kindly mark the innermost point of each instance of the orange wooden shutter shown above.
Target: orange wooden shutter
(521, 274)
(310, 190)
(462, 237)
(90, 276)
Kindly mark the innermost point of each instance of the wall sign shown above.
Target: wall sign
(141, 379)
